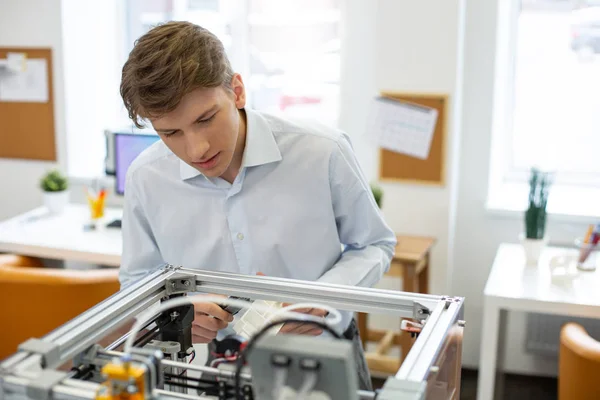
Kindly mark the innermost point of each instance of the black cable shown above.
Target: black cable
(150, 335)
(147, 337)
(205, 386)
(242, 356)
(187, 378)
(82, 372)
(198, 386)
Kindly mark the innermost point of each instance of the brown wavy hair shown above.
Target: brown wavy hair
(168, 62)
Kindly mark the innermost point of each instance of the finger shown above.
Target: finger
(313, 332)
(295, 328)
(302, 310)
(210, 323)
(214, 310)
(290, 327)
(302, 329)
(200, 339)
(200, 331)
(319, 312)
(199, 296)
(305, 328)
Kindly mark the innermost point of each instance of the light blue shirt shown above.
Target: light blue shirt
(299, 208)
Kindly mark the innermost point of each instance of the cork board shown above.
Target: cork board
(28, 128)
(397, 167)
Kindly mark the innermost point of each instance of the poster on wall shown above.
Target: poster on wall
(30, 85)
(402, 127)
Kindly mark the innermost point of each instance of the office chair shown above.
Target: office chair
(34, 300)
(579, 364)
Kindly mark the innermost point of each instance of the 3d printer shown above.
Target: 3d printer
(155, 364)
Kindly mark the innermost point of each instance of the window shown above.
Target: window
(288, 51)
(556, 118)
(547, 97)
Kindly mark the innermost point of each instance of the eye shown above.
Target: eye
(207, 120)
(169, 134)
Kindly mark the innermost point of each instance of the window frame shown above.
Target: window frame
(573, 197)
(511, 173)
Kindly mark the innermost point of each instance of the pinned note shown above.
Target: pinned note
(402, 127)
(30, 85)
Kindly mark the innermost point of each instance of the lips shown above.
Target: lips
(208, 164)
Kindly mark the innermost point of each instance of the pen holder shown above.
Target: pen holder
(588, 257)
(96, 205)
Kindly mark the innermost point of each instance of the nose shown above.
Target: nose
(196, 146)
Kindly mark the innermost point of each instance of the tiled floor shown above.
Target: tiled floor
(516, 387)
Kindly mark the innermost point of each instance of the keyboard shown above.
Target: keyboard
(114, 224)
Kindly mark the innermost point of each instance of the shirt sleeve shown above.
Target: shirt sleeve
(141, 254)
(368, 242)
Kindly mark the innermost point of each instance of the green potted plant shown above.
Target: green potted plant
(534, 239)
(377, 193)
(56, 194)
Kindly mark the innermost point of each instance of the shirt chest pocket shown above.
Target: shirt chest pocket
(191, 237)
(295, 223)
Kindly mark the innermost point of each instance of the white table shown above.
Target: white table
(63, 237)
(514, 286)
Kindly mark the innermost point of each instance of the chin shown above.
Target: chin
(215, 172)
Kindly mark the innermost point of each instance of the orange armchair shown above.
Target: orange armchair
(35, 300)
(579, 364)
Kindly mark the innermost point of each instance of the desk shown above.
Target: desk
(39, 234)
(514, 286)
(411, 263)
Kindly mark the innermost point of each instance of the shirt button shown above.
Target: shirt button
(240, 236)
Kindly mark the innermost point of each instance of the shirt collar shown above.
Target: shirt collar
(261, 147)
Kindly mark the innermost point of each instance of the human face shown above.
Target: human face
(207, 130)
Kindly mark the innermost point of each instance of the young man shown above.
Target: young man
(231, 189)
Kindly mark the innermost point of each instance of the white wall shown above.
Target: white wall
(418, 46)
(406, 46)
(403, 45)
(32, 23)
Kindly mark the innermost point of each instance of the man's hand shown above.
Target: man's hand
(304, 328)
(301, 328)
(208, 320)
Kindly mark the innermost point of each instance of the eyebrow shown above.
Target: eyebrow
(202, 116)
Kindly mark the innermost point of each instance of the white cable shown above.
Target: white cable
(182, 301)
(337, 317)
(279, 378)
(309, 383)
(216, 361)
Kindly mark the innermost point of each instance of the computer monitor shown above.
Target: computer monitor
(127, 147)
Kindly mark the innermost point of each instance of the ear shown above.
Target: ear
(239, 91)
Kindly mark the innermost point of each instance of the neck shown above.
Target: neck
(238, 155)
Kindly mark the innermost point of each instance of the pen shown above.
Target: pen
(589, 244)
(588, 234)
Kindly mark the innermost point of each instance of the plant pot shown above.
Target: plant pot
(56, 201)
(533, 249)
